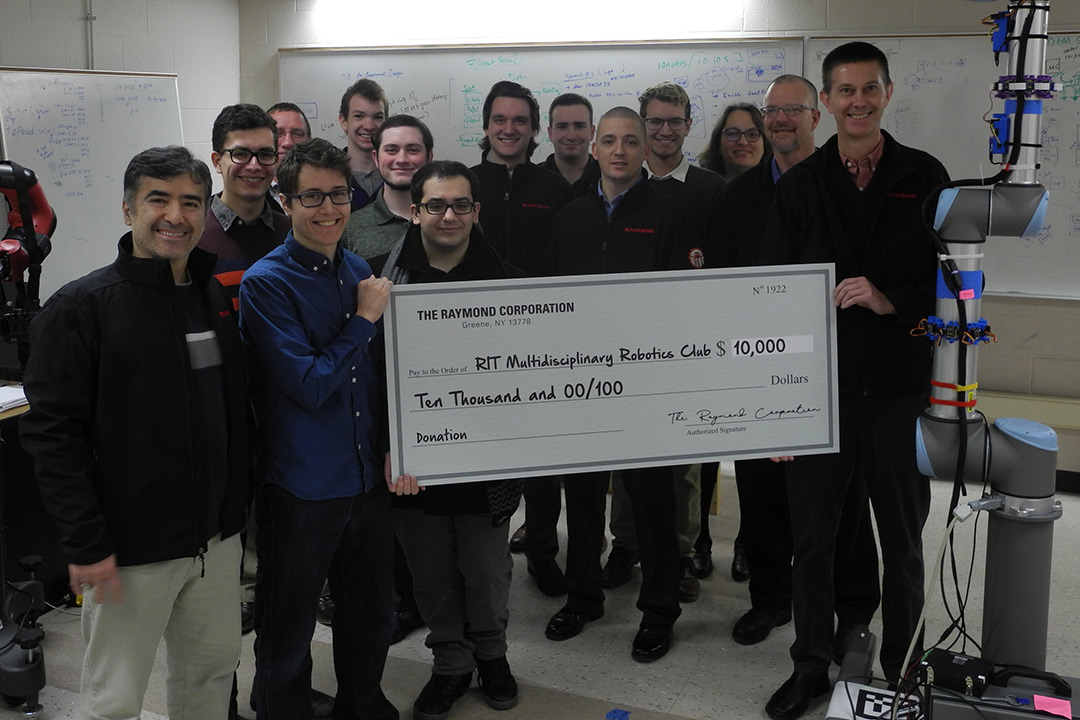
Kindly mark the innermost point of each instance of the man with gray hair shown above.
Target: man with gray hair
(791, 114)
(149, 496)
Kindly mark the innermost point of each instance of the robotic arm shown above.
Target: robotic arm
(953, 439)
(22, 249)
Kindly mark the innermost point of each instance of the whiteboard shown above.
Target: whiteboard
(77, 131)
(941, 91)
(446, 87)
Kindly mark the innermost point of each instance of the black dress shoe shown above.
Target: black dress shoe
(405, 621)
(497, 683)
(322, 705)
(757, 623)
(617, 569)
(549, 578)
(569, 622)
(793, 697)
(703, 562)
(438, 696)
(740, 569)
(247, 617)
(651, 643)
(689, 585)
(325, 614)
(517, 540)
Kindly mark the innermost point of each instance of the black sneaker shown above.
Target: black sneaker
(325, 614)
(496, 683)
(438, 696)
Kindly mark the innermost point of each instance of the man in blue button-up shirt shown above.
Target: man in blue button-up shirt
(308, 312)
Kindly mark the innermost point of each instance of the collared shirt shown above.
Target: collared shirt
(319, 391)
(679, 173)
(609, 207)
(862, 171)
(227, 217)
(373, 230)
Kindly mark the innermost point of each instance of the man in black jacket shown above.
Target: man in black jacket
(138, 428)
(626, 225)
(520, 199)
(520, 202)
(791, 115)
(857, 203)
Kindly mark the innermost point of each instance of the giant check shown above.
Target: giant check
(517, 378)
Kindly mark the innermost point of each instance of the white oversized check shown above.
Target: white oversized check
(518, 378)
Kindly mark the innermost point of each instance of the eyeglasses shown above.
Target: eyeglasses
(733, 134)
(314, 198)
(297, 135)
(242, 156)
(789, 110)
(675, 124)
(438, 207)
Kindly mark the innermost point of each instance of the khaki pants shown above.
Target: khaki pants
(197, 614)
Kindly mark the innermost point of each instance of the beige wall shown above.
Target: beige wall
(226, 50)
(1039, 348)
(267, 25)
(196, 39)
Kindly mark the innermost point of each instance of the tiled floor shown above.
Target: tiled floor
(705, 676)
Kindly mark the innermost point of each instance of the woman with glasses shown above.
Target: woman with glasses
(737, 142)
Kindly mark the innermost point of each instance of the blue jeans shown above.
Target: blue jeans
(349, 542)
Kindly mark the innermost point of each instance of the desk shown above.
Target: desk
(27, 529)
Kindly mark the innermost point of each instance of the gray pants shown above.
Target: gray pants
(461, 570)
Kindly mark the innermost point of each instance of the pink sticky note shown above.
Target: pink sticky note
(967, 294)
(1053, 705)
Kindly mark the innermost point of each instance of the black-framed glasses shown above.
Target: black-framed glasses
(789, 110)
(438, 207)
(733, 134)
(675, 124)
(315, 198)
(242, 155)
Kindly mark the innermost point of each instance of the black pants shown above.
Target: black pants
(766, 532)
(543, 504)
(877, 452)
(652, 496)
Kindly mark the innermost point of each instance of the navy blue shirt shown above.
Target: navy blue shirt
(318, 390)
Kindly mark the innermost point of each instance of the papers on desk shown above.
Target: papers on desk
(12, 396)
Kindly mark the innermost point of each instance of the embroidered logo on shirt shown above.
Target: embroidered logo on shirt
(697, 258)
(647, 231)
(902, 195)
(536, 205)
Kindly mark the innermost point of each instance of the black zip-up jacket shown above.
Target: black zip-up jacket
(586, 183)
(109, 427)
(744, 213)
(647, 231)
(499, 498)
(518, 211)
(817, 218)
